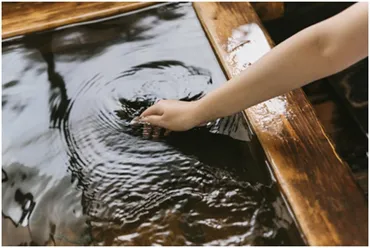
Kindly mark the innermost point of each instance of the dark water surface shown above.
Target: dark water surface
(76, 172)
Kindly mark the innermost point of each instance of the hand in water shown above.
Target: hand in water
(172, 115)
(150, 131)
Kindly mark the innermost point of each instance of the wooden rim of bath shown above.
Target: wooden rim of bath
(328, 206)
(21, 18)
(327, 203)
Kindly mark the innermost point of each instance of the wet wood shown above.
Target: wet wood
(329, 206)
(341, 100)
(26, 17)
(268, 11)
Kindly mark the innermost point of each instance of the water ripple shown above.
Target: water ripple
(79, 173)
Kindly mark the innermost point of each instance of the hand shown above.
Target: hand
(172, 115)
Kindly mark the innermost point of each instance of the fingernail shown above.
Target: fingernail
(133, 122)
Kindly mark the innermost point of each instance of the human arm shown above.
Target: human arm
(316, 52)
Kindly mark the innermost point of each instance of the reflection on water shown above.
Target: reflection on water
(39, 206)
(76, 172)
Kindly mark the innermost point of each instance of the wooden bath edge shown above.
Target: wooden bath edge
(20, 18)
(327, 204)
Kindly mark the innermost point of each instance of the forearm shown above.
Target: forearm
(314, 53)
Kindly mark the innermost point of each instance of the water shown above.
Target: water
(76, 172)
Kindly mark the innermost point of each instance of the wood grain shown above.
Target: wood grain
(329, 207)
(26, 17)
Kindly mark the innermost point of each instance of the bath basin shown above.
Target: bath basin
(328, 210)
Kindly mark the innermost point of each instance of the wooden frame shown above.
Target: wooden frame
(26, 17)
(329, 207)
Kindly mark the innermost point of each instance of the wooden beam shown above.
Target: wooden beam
(328, 205)
(19, 18)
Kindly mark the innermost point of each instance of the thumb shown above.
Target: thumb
(155, 120)
(153, 110)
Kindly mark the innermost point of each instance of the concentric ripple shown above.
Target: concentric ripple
(76, 172)
(129, 180)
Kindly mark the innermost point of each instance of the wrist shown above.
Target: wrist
(199, 113)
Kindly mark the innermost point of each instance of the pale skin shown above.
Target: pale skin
(314, 53)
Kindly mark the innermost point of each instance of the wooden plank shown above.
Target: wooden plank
(26, 17)
(329, 207)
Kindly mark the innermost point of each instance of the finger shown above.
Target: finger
(147, 131)
(135, 122)
(154, 120)
(153, 110)
(156, 132)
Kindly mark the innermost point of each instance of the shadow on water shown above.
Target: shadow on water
(76, 172)
(58, 99)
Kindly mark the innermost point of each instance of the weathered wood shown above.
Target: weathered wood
(329, 207)
(340, 100)
(23, 17)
